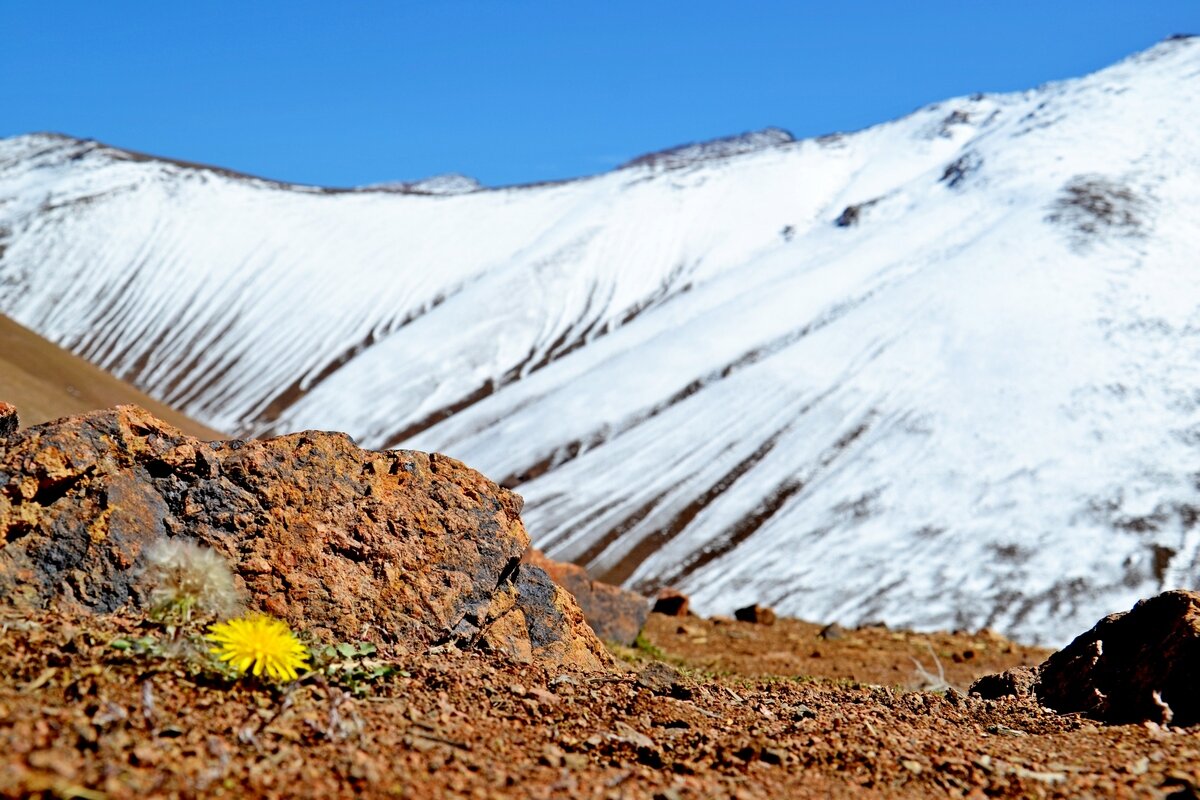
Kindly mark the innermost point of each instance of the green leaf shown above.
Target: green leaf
(120, 644)
(347, 650)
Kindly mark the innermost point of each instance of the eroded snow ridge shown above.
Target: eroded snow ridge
(941, 372)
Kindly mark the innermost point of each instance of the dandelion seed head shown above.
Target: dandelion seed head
(183, 575)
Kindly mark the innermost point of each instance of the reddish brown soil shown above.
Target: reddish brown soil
(78, 718)
(792, 648)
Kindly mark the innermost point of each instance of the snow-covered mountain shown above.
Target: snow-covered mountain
(941, 372)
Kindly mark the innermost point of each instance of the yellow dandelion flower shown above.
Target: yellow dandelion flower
(259, 643)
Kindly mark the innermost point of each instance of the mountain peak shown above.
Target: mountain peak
(445, 184)
(712, 149)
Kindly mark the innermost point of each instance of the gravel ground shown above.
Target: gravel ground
(700, 709)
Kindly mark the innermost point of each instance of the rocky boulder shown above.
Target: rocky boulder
(1015, 682)
(1137, 666)
(759, 615)
(1143, 664)
(671, 602)
(398, 547)
(615, 614)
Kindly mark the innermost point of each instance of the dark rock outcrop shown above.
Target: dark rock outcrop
(8, 420)
(399, 547)
(759, 615)
(723, 147)
(852, 215)
(671, 602)
(615, 614)
(1140, 665)
(1143, 664)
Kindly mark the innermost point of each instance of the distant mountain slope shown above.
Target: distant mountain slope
(46, 382)
(940, 372)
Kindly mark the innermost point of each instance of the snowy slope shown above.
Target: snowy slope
(940, 372)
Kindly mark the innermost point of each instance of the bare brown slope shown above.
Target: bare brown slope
(46, 382)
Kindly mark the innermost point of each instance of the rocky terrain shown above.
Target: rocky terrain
(445, 666)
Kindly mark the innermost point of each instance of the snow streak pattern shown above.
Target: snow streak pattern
(941, 372)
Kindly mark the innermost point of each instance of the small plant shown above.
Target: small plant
(141, 646)
(649, 648)
(352, 665)
(187, 585)
(259, 644)
(184, 577)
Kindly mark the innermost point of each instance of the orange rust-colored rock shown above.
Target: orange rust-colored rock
(615, 614)
(398, 547)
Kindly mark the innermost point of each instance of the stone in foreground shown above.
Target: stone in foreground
(399, 547)
(1015, 682)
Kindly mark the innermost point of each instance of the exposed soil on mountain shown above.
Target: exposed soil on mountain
(46, 382)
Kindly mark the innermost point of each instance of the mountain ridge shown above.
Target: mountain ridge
(459, 183)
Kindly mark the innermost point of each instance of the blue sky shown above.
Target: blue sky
(511, 91)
